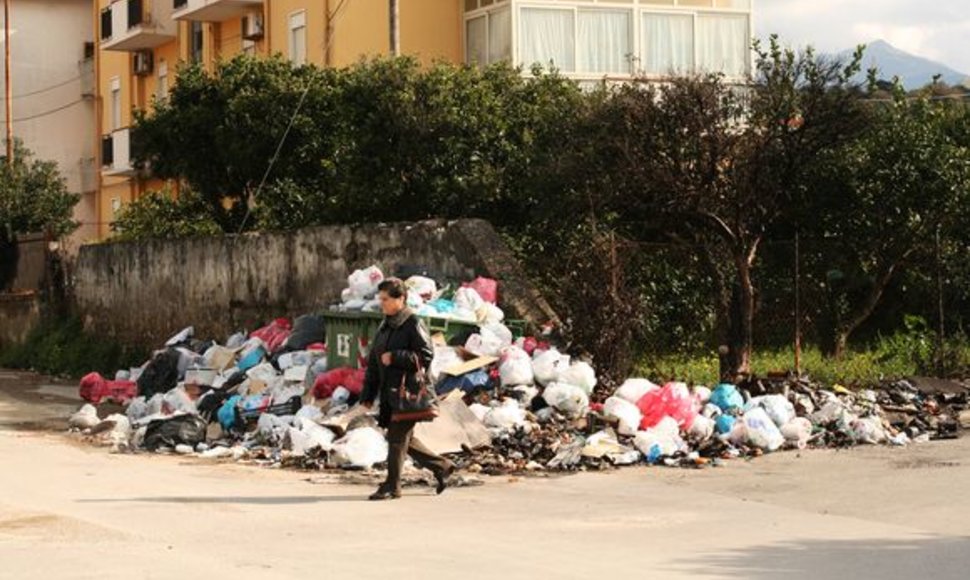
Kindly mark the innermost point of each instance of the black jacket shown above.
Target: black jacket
(408, 344)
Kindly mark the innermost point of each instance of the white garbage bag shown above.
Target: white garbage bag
(628, 414)
(85, 418)
(702, 394)
(363, 283)
(701, 429)
(479, 410)
(634, 389)
(490, 340)
(569, 399)
(515, 368)
(137, 409)
(468, 299)
(361, 447)
(444, 357)
(178, 401)
(659, 441)
(777, 407)
(508, 415)
(421, 287)
(548, 364)
(580, 374)
(797, 432)
(758, 430)
(868, 430)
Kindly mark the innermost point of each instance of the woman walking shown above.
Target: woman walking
(399, 354)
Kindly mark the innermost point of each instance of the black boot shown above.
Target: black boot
(383, 493)
(442, 479)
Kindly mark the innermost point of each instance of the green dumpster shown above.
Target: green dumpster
(349, 334)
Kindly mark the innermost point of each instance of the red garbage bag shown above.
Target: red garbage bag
(94, 388)
(530, 344)
(346, 377)
(487, 288)
(274, 334)
(673, 400)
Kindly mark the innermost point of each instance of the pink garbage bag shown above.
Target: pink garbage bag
(674, 400)
(487, 288)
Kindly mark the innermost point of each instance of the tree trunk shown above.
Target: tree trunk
(746, 321)
(844, 331)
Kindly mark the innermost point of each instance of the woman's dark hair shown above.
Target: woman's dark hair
(394, 287)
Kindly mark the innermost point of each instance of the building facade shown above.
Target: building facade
(53, 95)
(142, 42)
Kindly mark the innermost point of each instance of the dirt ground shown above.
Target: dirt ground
(71, 511)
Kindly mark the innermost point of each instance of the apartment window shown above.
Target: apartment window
(723, 43)
(604, 41)
(115, 103)
(298, 37)
(547, 37)
(162, 93)
(666, 43)
(115, 205)
(476, 40)
(196, 40)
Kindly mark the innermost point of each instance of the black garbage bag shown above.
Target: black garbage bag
(161, 375)
(183, 429)
(307, 329)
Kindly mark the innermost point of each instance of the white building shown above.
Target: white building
(52, 80)
(596, 39)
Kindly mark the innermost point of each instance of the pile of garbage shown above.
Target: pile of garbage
(509, 404)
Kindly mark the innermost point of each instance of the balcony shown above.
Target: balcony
(116, 153)
(132, 25)
(213, 10)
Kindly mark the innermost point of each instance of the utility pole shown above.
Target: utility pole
(6, 79)
(395, 29)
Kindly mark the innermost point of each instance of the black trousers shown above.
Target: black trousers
(402, 442)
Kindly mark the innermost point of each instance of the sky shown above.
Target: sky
(935, 29)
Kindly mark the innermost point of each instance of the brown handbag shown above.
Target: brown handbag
(416, 403)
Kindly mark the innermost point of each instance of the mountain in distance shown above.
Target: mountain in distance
(913, 71)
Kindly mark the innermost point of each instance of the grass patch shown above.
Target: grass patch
(62, 348)
(893, 357)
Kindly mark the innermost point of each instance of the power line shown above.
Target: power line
(45, 89)
(50, 112)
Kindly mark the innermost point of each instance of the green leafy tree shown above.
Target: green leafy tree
(884, 198)
(33, 198)
(161, 214)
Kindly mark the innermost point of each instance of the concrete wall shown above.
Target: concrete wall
(141, 293)
(19, 313)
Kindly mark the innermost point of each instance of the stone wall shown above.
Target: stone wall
(19, 313)
(142, 292)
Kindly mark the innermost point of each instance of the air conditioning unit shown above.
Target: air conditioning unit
(143, 63)
(252, 27)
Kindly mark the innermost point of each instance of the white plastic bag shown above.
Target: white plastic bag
(634, 389)
(421, 286)
(628, 414)
(178, 401)
(868, 430)
(760, 431)
(444, 357)
(85, 418)
(490, 341)
(797, 432)
(777, 407)
(361, 447)
(491, 314)
(469, 300)
(701, 429)
(580, 374)
(479, 410)
(702, 394)
(363, 283)
(659, 441)
(548, 364)
(508, 415)
(569, 399)
(515, 368)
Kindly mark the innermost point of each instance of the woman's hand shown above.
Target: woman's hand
(386, 359)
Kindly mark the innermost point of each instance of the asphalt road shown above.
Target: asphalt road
(72, 511)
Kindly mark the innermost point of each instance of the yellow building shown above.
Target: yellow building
(141, 42)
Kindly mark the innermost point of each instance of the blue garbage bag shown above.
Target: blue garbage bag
(227, 413)
(724, 423)
(468, 382)
(727, 397)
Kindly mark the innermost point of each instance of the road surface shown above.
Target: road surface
(71, 511)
